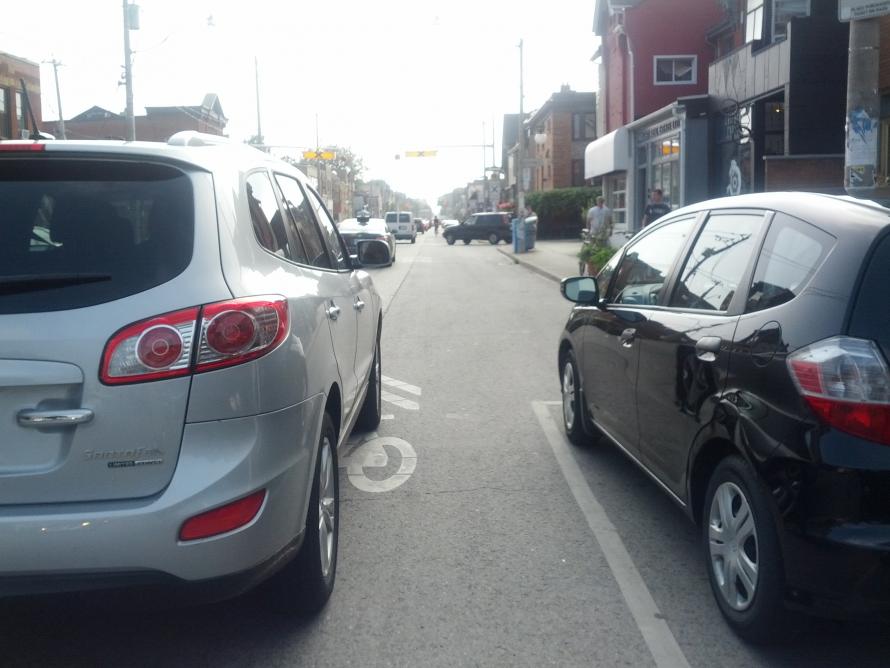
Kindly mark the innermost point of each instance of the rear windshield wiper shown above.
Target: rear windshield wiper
(11, 285)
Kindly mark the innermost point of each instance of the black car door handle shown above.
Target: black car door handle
(627, 337)
(707, 347)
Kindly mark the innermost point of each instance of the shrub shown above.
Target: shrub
(561, 212)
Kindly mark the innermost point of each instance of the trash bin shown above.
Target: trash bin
(518, 232)
(531, 232)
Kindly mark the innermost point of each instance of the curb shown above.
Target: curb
(529, 265)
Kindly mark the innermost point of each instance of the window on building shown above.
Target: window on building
(583, 126)
(774, 128)
(618, 200)
(5, 124)
(754, 21)
(676, 70)
(578, 172)
(21, 111)
(783, 12)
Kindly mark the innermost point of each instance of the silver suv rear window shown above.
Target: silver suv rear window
(76, 233)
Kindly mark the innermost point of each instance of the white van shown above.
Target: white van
(401, 225)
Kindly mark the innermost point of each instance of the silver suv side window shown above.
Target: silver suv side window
(329, 232)
(304, 222)
(268, 225)
(646, 263)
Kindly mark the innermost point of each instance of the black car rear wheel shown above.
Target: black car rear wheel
(450, 239)
(743, 555)
(467, 242)
(493, 239)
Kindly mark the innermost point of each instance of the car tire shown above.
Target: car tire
(450, 239)
(751, 599)
(572, 406)
(369, 416)
(305, 584)
(493, 239)
(467, 242)
(414, 239)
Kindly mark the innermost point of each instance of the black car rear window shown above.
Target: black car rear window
(871, 311)
(76, 233)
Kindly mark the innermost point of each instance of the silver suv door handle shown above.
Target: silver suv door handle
(35, 418)
(333, 311)
(358, 305)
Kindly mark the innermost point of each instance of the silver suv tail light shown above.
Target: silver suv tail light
(231, 332)
(847, 384)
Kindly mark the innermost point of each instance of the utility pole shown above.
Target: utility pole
(520, 170)
(56, 64)
(863, 110)
(128, 75)
(256, 79)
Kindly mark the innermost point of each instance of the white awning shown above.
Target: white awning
(607, 154)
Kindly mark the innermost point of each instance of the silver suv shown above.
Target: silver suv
(184, 345)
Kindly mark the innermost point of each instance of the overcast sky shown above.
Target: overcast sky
(384, 77)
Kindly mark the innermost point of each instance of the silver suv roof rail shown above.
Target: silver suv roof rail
(192, 138)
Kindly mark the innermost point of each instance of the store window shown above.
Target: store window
(774, 128)
(783, 12)
(754, 20)
(674, 70)
(618, 200)
(5, 120)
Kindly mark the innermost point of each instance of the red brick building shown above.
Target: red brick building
(14, 113)
(158, 123)
(561, 130)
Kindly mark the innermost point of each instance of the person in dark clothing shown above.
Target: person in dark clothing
(656, 208)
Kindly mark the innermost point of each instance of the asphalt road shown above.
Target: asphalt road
(472, 533)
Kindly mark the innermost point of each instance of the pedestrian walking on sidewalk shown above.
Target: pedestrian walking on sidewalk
(599, 223)
(656, 208)
(436, 224)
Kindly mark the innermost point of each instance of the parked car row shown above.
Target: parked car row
(187, 343)
(737, 351)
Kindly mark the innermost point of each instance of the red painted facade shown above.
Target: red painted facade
(653, 28)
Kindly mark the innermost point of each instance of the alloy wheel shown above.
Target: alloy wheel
(732, 539)
(568, 395)
(327, 508)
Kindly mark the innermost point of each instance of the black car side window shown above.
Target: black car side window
(303, 221)
(792, 252)
(646, 264)
(715, 267)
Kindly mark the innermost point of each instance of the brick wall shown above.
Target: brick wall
(814, 174)
(12, 70)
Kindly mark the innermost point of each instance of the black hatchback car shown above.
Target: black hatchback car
(737, 352)
(492, 226)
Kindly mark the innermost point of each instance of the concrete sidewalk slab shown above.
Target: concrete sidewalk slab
(552, 259)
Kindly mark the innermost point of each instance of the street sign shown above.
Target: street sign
(850, 10)
(420, 154)
(319, 154)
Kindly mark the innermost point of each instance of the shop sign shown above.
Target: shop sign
(653, 131)
(851, 10)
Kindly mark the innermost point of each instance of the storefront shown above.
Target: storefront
(608, 158)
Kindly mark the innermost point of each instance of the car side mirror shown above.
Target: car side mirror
(373, 253)
(581, 290)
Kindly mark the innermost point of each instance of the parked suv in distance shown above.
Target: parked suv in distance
(401, 224)
(183, 352)
(492, 226)
(737, 352)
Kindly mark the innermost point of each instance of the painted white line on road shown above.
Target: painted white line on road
(399, 401)
(399, 385)
(388, 416)
(655, 630)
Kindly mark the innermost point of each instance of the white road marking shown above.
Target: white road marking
(399, 401)
(372, 454)
(399, 385)
(655, 630)
(388, 416)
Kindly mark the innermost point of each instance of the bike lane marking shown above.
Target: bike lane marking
(654, 628)
(372, 454)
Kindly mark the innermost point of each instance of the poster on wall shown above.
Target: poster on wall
(862, 138)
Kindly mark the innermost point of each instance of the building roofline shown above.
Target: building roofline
(19, 58)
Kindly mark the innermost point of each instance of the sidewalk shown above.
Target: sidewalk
(552, 259)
